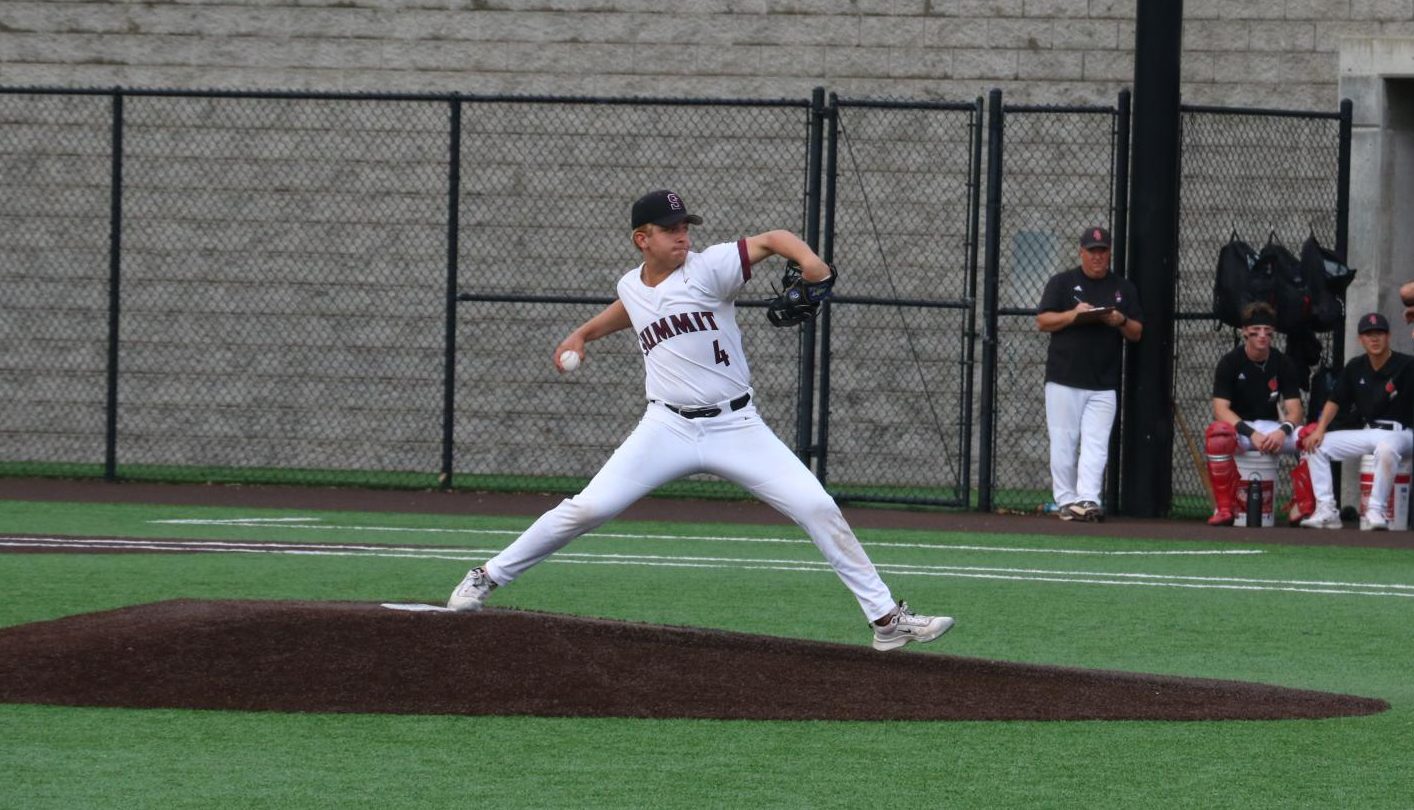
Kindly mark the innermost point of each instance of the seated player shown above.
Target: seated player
(1256, 406)
(1380, 385)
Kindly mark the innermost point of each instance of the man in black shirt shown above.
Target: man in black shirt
(1256, 406)
(1380, 384)
(1089, 312)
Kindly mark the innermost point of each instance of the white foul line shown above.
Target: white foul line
(308, 523)
(591, 558)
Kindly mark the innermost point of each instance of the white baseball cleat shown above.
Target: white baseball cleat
(1324, 518)
(1374, 521)
(905, 626)
(472, 592)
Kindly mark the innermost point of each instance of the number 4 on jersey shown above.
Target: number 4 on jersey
(721, 357)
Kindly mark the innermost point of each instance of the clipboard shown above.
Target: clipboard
(1090, 316)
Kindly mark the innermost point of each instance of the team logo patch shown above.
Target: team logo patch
(1272, 384)
(674, 201)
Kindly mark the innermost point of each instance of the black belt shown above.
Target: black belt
(1384, 424)
(702, 413)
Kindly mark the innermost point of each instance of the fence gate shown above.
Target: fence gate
(896, 369)
(1261, 174)
(1064, 170)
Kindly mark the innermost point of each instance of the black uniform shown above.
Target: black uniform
(1256, 390)
(1087, 356)
(1387, 394)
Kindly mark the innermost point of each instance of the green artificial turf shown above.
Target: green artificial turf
(1005, 601)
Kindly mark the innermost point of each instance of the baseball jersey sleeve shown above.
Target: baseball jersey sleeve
(723, 269)
(1054, 298)
(1225, 377)
(1344, 391)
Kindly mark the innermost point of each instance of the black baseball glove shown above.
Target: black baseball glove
(798, 300)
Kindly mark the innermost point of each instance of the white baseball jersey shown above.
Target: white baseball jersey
(686, 327)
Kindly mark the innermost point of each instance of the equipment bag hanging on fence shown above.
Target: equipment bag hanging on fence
(1292, 287)
(1330, 276)
(1236, 285)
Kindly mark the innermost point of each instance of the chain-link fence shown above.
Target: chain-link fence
(323, 288)
(1058, 178)
(1256, 174)
(544, 233)
(283, 274)
(55, 164)
(903, 203)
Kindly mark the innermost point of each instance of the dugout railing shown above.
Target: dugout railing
(325, 288)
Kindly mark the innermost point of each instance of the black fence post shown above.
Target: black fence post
(805, 385)
(1342, 217)
(827, 245)
(969, 371)
(449, 363)
(990, 294)
(115, 263)
(1342, 243)
(1148, 411)
(1119, 254)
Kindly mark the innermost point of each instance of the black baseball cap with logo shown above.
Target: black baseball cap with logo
(1373, 322)
(1095, 237)
(663, 208)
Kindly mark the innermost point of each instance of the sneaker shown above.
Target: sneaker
(472, 591)
(1072, 511)
(1093, 512)
(906, 626)
(1373, 521)
(1324, 518)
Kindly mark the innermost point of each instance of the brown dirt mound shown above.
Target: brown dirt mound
(354, 657)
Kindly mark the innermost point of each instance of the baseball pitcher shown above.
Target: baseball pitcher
(701, 415)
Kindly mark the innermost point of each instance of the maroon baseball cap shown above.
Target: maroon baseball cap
(1373, 322)
(663, 208)
(1095, 237)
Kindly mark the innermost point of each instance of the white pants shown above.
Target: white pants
(1079, 422)
(736, 445)
(1389, 448)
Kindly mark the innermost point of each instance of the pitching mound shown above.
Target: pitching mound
(352, 657)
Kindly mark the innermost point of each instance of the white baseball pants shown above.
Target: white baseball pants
(1389, 448)
(1079, 422)
(736, 445)
(1290, 446)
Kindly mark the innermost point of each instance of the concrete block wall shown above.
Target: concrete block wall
(1282, 53)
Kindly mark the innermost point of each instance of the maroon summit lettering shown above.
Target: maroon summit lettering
(673, 325)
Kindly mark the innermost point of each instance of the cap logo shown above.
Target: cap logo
(1372, 319)
(1095, 234)
(674, 202)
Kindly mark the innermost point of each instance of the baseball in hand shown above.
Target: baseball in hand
(569, 360)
